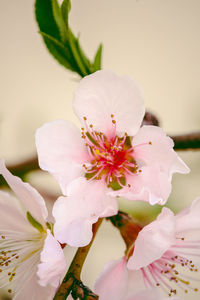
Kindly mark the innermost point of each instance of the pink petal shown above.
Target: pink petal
(61, 151)
(75, 214)
(150, 294)
(31, 199)
(159, 153)
(113, 280)
(189, 220)
(153, 240)
(102, 94)
(150, 185)
(32, 290)
(157, 162)
(53, 265)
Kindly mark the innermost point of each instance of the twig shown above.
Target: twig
(71, 282)
(189, 141)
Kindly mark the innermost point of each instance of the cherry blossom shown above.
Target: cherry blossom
(167, 251)
(119, 283)
(111, 156)
(31, 260)
(165, 257)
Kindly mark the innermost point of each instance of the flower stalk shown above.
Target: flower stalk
(128, 229)
(72, 282)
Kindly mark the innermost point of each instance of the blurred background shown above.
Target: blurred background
(157, 42)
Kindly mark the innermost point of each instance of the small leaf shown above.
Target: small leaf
(82, 55)
(75, 52)
(60, 52)
(45, 18)
(97, 59)
(34, 222)
(65, 9)
(59, 20)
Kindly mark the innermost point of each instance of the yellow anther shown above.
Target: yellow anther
(96, 151)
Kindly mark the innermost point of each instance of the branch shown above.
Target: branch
(71, 282)
(189, 141)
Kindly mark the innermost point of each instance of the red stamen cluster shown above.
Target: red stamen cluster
(111, 158)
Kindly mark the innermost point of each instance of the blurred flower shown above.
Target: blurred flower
(31, 260)
(112, 157)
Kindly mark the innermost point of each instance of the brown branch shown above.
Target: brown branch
(150, 119)
(71, 282)
(190, 141)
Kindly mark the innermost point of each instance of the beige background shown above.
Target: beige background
(157, 42)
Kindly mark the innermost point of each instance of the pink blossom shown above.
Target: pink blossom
(111, 156)
(32, 262)
(167, 249)
(119, 283)
(164, 252)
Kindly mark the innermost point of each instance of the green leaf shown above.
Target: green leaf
(65, 9)
(59, 20)
(85, 60)
(60, 52)
(78, 59)
(45, 18)
(52, 20)
(97, 59)
(34, 222)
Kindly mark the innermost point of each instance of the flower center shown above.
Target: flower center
(111, 157)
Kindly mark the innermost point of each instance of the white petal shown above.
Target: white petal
(113, 281)
(32, 290)
(9, 211)
(160, 152)
(53, 265)
(75, 214)
(153, 240)
(61, 151)
(103, 93)
(31, 199)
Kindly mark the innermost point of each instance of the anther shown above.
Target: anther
(113, 121)
(9, 291)
(112, 116)
(150, 143)
(84, 118)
